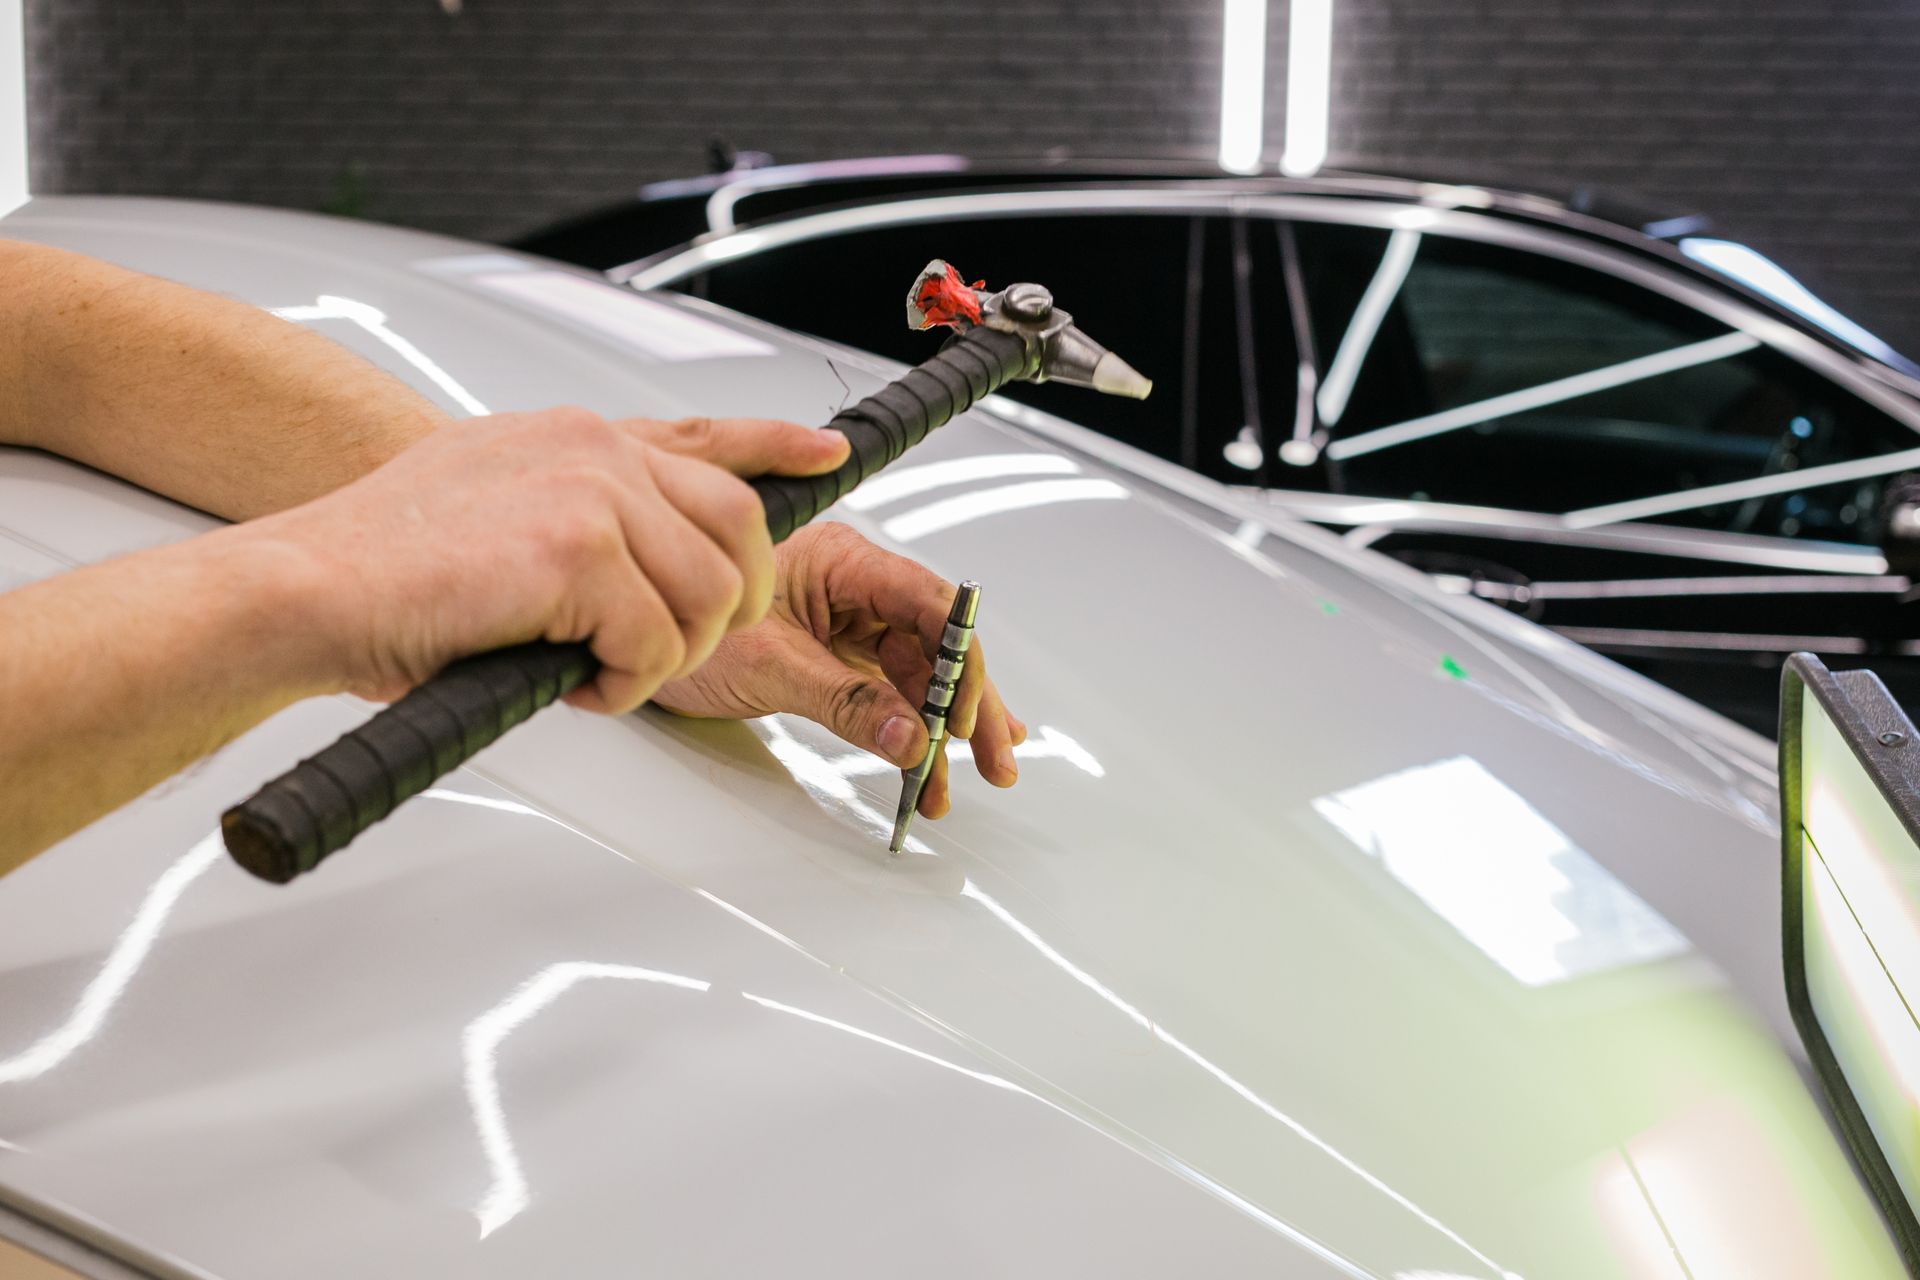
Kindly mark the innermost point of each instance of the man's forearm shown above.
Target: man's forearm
(207, 400)
(115, 676)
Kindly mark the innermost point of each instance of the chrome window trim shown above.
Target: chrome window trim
(1719, 641)
(1349, 211)
(725, 198)
(1799, 584)
(1367, 520)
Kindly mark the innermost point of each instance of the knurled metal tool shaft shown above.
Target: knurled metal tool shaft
(948, 666)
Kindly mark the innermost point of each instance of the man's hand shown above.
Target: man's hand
(557, 525)
(560, 526)
(849, 642)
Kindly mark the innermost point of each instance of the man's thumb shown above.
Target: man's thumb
(871, 714)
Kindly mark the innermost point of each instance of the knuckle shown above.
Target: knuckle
(850, 699)
(576, 541)
(741, 510)
(693, 435)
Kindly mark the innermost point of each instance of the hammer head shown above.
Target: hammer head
(1058, 351)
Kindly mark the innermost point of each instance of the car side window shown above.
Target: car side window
(1145, 304)
(1456, 371)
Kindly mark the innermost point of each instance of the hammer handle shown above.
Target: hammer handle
(322, 803)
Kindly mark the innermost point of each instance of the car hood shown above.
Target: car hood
(1334, 929)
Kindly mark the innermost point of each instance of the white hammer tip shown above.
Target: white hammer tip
(1116, 377)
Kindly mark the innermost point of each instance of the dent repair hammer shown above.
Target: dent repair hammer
(321, 804)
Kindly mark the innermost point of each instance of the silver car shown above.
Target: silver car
(1340, 927)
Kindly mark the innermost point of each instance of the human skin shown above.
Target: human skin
(380, 543)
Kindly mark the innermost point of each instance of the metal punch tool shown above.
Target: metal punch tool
(948, 666)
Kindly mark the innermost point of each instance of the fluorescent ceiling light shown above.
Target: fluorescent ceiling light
(1309, 75)
(13, 107)
(1243, 85)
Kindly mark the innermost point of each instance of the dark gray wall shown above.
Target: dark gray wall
(1795, 123)
(1792, 121)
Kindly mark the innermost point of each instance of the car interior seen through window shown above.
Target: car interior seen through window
(1461, 372)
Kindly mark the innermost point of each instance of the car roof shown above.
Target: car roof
(1337, 927)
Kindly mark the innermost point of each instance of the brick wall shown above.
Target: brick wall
(1794, 122)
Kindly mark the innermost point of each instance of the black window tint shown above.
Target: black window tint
(1124, 278)
(1474, 322)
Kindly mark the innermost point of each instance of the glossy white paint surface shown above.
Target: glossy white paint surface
(1336, 928)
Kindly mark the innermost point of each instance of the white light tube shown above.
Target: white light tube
(13, 107)
(1243, 85)
(1309, 79)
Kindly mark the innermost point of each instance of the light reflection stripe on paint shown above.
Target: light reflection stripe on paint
(123, 962)
(904, 482)
(971, 890)
(1178, 1167)
(508, 1193)
(374, 321)
(949, 512)
(998, 1082)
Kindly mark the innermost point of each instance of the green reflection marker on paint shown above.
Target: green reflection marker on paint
(1329, 608)
(1449, 667)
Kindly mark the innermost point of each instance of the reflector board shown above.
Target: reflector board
(1850, 889)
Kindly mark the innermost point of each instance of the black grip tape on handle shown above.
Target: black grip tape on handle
(317, 808)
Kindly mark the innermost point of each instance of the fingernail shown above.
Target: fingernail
(1007, 765)
(831, 437)
(897, 739)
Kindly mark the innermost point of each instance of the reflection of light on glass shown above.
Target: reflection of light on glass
(1866, 1022)
(903, 482)
(1879, 464)
(1765, 276)
(982, 1076)
(1856, 833)
(1555, 392)
(374, 321)
(1309, 74)
(1388, 277)
(736, 245)
(14, 1146)
(970, 890)
(1860, 886)
(1243, 451)
(123, 961)
(948, 512)
(508, 1193)
(1485, 861)
(1243, 85)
